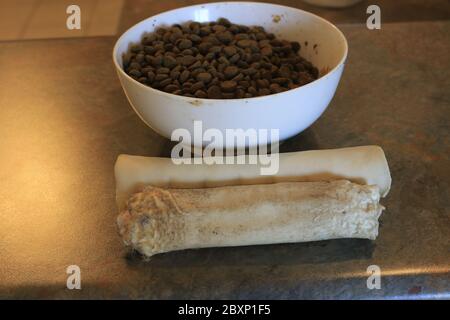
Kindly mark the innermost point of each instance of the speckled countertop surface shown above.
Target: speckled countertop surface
(64, 119)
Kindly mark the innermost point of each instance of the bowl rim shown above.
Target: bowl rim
(206, 100)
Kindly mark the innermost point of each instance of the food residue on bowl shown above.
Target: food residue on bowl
(196, 102)
(276, 18)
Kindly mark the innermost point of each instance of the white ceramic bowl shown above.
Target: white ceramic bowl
(291, 111)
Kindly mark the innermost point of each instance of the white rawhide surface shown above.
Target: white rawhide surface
(363, 165)
(160, 220)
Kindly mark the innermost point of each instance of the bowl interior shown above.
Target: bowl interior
(321, 42)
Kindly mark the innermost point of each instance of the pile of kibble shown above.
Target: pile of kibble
(217, 60)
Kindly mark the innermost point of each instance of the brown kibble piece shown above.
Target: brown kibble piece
(215, 49)
(275, 88)
(165, 82)
(195, 38)
(247, 43)
(224, 21)
(187, 52)
(280, 81)
(174, 74)
(201, 94)
(252, 90)
(150, 76)
(266, 51)
(136, 48)
(184, 76)
(170, 88)
(230, 71)
(230, 51)
(204, 47)
(196, 86)
(187, 84)
(146, 69)
(169, 62)
(184, 44)
(135, 65)
(241, 36)
(195, 65)
(225, 37)
(228, 86)
(234, 58)
(163, 70)
(285, 72)
(249, 71)
(204, 76)
(135, 73)
(214, 92)
(228, 95)
(295, 46)
(264, 92)
(223, 60)
(157, 61)
(188, 60)
(262, 83)
(238, 77)
(161, 76)
(240, 93)
(218, 28)
(139, 57)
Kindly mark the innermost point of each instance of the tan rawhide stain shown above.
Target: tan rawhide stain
(159, 220)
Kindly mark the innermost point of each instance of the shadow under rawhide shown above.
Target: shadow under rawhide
(317, 252)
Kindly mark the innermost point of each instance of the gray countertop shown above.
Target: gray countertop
(64, 119)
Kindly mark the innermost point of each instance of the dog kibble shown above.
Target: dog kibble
(135, 66)
(163, 70)
(187, 60)
(165, 82)
(196, 86)
(169, 62)
(230, 51)
(201, 94)
(174, 74)
(230, 71)
(218, 60)
(184, 44)
(214, 92)
(170, 88)
(228, 86)
(264, 91)
(161, 76)
(184, 76)
(228, 95)
(135, 73)
(204, 76)
(150, 76)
